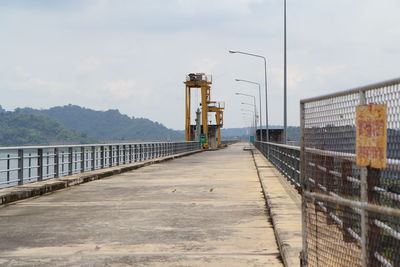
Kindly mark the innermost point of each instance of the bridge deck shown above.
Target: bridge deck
(204, 209)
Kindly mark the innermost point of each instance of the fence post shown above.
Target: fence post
(303, 253)
(20, 166)
(364, 200)
(364, 219)
(372, 242)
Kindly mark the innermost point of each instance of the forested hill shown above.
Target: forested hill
(21, 128)
(108, 125)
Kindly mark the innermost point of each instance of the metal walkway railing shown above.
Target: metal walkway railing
(20, 165)
(285, 158)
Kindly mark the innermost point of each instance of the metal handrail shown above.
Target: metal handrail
(36, 163)
(87, 145)
(353, 90)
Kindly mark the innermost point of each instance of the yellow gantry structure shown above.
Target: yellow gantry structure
(219, 119)
(202, 81)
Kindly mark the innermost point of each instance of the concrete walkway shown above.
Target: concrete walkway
(206, 209)
(284, 204)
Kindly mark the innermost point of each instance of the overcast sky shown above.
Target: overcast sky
(133, 55)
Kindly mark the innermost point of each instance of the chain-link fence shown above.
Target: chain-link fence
(351, 214)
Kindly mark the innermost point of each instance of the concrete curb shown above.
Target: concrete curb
(284, 204)
(12, 194)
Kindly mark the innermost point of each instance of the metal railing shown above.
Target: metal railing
(20, 165)
(285, 158)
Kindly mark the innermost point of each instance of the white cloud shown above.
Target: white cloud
(134, 55)
(89, 65)
(121, 89)
(206, 65)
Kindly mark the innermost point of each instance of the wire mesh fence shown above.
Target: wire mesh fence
(350, 213)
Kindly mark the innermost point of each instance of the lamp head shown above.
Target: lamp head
(232, 51)
(238, 80)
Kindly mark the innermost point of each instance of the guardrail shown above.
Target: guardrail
(285, 158)
(20, 165)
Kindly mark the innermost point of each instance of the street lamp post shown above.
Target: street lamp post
(254, 105)
(247, 124)
(265, 82)
(259, 96)
(284, 76)
(255, 116)
(253, 119)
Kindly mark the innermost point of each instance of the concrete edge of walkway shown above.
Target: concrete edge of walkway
(284, 205)
(15, 193)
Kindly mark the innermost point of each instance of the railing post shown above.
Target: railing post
(93, 156)
(62, 163)
(130, 153)
(20, 166)
(56, 163)
(110, 156)
(40, 164)
(47, 164)
(83, 159)
(29, 165)
(70, 160)
(102, 157)
(118, 155)
(8, 168)
(123, 154)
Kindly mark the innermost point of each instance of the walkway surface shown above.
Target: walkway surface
(206, 209)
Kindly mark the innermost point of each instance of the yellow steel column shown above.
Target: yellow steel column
(187, 121)
(218, 122)
(204, 112)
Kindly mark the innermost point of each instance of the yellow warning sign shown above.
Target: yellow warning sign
(371, 125)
